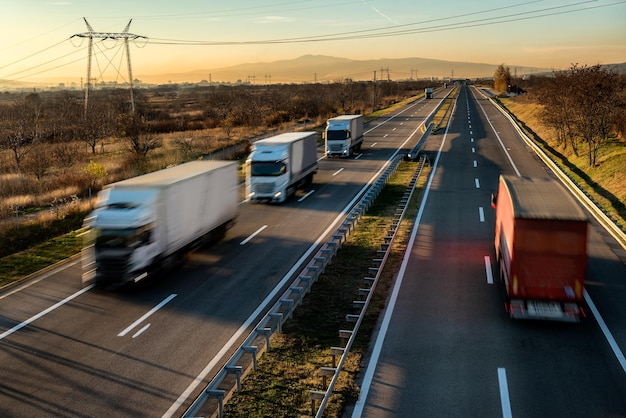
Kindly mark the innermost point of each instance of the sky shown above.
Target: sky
(49, 39)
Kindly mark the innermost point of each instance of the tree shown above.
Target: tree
(21, 127)
(95, 172)
(557, 98)
(133, 128)
(502, 79)
(584, 105)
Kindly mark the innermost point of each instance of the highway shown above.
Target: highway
(446, 347)
(70, 351)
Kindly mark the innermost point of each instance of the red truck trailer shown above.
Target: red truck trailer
(541, 248)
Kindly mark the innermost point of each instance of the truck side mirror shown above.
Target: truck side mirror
(494, 199)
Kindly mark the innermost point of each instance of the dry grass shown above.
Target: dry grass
(280, 385)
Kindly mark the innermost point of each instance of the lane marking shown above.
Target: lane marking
(374, 144)
(371, 366)
(245, 241)
(147, 315)
(475, 163)
(44, 276)
(504, 394)
(45, 312)
(338, 171)
(141, 331)
(481, 214)
(308, 194)
(477, 183)
(488, 270)
(607, 334)
(270, 297)
(473, 150)
(497, 136)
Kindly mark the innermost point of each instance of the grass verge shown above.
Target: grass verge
(605, 183)
(19, 265)
(280, 385)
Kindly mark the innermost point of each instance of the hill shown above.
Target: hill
(321, 68)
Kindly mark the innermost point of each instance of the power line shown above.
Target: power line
(389, 31)
(386, 32)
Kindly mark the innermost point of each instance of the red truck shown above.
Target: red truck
(541, 248)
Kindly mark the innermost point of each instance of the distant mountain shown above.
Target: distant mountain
(321, 68)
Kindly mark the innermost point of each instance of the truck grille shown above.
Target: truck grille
(336, 148)
(264, 188)
(112, 267)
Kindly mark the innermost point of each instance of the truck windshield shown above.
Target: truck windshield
(267, 168)
(337, 135)
(122, 238)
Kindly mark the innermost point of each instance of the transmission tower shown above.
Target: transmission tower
(125, 36)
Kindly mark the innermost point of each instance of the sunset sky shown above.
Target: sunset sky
(184, 35)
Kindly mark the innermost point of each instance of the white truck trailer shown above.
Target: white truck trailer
(279, 165)
(343, 135)
(145, 225)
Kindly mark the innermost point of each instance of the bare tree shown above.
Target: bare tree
(133, 129)
(21, 127)
(97, 125)
(583, 105)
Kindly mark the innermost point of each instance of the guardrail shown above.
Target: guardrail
(228, 380)
(347, 336)
(600, 215)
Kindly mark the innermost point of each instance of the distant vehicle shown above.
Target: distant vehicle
(279, 165)
(428, 92)
(146, 225)
(541, 248)
(343, 135)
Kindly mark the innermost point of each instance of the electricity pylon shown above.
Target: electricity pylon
(125, 36)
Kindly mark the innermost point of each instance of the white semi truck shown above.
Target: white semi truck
(428, 92)
(279, 165)
(343, 135)
(145, 225)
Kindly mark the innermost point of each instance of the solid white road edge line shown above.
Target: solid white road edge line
(147, 315)
(378, 345)
(504, 394)
(263, 305)
(605, 330)
(45, 312)
(245, 241)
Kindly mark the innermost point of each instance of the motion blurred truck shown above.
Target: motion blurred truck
(279, 165)
(428, 92)
(343, 135)
(145, 225)
(541, 248)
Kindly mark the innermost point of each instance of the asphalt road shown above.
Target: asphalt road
(69, 351)
(446, 348)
